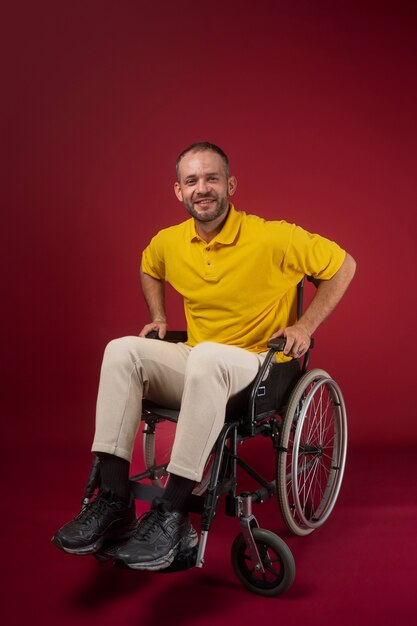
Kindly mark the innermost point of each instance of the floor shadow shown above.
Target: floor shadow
(106, 584)
(186, 600)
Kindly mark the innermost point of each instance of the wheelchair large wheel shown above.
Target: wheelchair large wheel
(312, 455)
(158, 439)
(277, 561)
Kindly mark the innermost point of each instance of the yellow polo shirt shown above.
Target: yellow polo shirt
(241, 287)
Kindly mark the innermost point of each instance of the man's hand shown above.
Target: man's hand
(298, 339)
(159, 326)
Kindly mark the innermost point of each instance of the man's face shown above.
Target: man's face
(204, 187)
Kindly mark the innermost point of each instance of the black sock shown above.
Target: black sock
(178, 491)
(114, 474)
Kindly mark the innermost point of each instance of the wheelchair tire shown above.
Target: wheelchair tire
(312, 455)
(277, 560)
(157, 448)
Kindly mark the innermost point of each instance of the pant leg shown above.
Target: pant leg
(214, 373)
(133, 368)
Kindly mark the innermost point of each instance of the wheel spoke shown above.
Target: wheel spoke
(314, 440)
(308, 485)
(272, 571)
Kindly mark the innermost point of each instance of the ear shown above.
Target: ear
(177, 190)
(231, 185)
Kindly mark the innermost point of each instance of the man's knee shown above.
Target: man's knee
(206, 352)
(205, 359)
(122, 350)
(229, 366)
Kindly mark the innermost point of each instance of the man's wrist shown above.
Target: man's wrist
(306, 327)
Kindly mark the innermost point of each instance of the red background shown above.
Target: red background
(315, 103)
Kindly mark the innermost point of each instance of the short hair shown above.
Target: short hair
(202, 146)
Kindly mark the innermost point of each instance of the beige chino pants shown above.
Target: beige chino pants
(197, 380)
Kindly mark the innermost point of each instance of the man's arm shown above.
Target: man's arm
(154, 294)
(328, 294)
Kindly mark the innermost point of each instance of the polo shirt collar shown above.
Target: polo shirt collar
(228, 233)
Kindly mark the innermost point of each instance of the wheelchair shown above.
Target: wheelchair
(302, 412)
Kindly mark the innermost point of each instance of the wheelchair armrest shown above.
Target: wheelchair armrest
(173, 336)
(278, 344)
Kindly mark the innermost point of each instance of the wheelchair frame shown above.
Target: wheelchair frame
(261, 560)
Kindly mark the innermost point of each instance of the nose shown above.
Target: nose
(202, 186)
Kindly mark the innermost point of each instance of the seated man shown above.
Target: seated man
(237, 274)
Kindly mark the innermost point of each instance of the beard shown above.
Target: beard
(208, 213)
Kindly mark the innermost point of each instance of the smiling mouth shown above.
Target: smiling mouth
(204, 201)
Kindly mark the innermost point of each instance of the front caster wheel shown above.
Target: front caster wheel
(276, 558)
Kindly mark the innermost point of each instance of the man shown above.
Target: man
(237, 274)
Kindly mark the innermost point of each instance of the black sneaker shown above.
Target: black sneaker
(161, 535)
(102, 518)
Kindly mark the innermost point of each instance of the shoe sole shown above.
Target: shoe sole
(184, 545)
(92, 548)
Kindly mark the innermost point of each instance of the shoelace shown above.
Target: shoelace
(148, 523)
(91, 511)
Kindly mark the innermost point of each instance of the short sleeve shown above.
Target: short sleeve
(153, 262)
(313, 255)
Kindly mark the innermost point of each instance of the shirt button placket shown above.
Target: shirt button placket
(208, 260)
